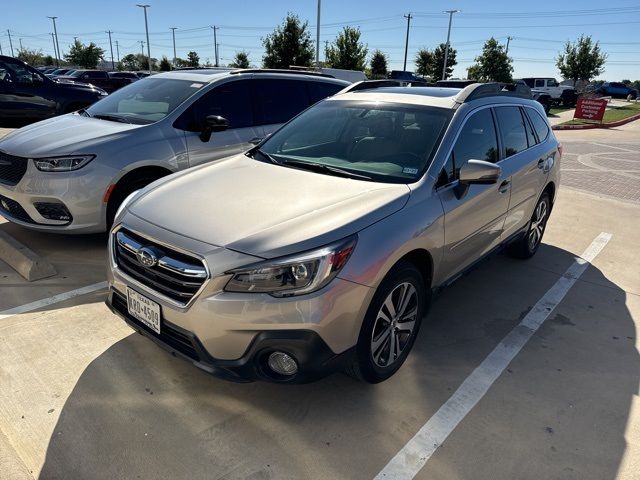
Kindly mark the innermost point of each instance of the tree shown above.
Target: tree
(165, 64)
(181, 62)
(86, 56)
(636, 84)
(493, 64)
(289, 44)
(379, 65)
(130, 62)
(48, 60)
(32, 57)
(438, 61)
(424, 62)
(193, 60)
(347, 52)
(581, 60)
(241, 60)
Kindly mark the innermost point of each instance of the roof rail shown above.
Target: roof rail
(281, 70)
(481, 90)
(371, 84)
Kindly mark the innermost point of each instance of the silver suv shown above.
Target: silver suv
(71, 173)
(318, 249)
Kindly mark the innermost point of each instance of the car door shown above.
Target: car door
(232, 100)
(525, 159)
(24, 94)
(473, 221)
(278, 100)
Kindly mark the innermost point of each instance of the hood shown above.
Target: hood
(65, 135)
(263, 209)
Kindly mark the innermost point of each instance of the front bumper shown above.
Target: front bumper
(315, 358)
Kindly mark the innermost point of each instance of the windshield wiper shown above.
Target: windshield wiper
(323, 168)
(83, 112)
(112, 118)
(266, 155)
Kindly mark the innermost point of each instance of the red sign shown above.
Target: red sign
(590, 109)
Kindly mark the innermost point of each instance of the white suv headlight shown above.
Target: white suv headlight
(62, 164)
(293, 275)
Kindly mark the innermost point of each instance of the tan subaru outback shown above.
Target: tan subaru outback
(318, 249)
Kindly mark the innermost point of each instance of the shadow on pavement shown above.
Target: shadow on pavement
(137, 412)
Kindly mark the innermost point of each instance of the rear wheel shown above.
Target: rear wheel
(528, 245)
(390, 325)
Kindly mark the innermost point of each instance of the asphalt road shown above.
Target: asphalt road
(81, 396)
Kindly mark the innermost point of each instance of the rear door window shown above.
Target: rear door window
(512, 130)
(539, 84)
(279, 100)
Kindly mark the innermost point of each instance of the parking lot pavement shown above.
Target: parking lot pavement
(83, 397)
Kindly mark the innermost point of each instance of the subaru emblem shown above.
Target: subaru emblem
(147, 257)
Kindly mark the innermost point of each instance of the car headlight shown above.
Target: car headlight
(293, 275)
(62, 164)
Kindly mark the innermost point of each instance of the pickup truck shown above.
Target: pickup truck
(98, 78)
(560, 94)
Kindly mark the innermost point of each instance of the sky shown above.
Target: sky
(538, 28)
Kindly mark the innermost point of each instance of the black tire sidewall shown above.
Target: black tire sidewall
(401, 273)
(544, 197)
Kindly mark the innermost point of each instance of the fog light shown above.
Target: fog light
(282, 363)
(53, 211)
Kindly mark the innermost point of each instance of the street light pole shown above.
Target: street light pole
(507, 49)
(173, 32)
(318, 38)
(53, 39)
(446, 49)
(406, 42)
(57, 45)
(146, 27)
(118, 51)
(113, 65)
(20, 40)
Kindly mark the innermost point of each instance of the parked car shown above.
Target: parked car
(99, 78)
(405, 76)
(318, 249)
(70, 174)
(27, 95)
(617, 90)
(564, 95)
(131, 76)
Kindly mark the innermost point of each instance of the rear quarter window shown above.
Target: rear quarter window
(540, 125)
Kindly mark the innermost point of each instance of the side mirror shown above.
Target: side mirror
(477, 172)
(213, 123)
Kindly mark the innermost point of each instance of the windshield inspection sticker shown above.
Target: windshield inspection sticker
(411, 171)
(196, 85)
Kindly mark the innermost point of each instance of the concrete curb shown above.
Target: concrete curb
(23, 260)
(588, 126)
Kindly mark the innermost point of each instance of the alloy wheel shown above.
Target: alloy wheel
(538, 223)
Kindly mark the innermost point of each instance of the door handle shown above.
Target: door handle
(256, 140)
(504, 186)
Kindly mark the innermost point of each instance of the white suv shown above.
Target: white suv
(71, 173)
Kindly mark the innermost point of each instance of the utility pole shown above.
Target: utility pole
(55, 54)
(118, 51)
(10, 42)
(326, 47)
(20, 40)
(406, 42)
(446, 50)
(55, 32)
(142, 47)
(113, 65)
(146, 27)
(507, 49)
(75, 39)
(215, 44)
(1, 53)
(173, 32)
(318, 38)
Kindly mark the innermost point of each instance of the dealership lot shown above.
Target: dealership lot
(81, 396)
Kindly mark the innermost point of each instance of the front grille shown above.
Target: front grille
(170, 273)
(12, 168)
(168, 334)
(14, 209)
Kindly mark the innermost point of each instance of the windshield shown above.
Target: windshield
(145, 101)
(387, 142)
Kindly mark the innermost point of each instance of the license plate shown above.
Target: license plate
(143, 309)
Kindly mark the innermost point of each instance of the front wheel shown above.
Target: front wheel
(390, 325)
(528, 245)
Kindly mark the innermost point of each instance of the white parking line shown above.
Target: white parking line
(415, 454)
(61, 297)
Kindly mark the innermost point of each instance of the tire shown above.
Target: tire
(373, 361)
(123, 191)
(527, 246)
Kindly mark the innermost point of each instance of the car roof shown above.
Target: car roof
(432, 96)
(211, 75)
